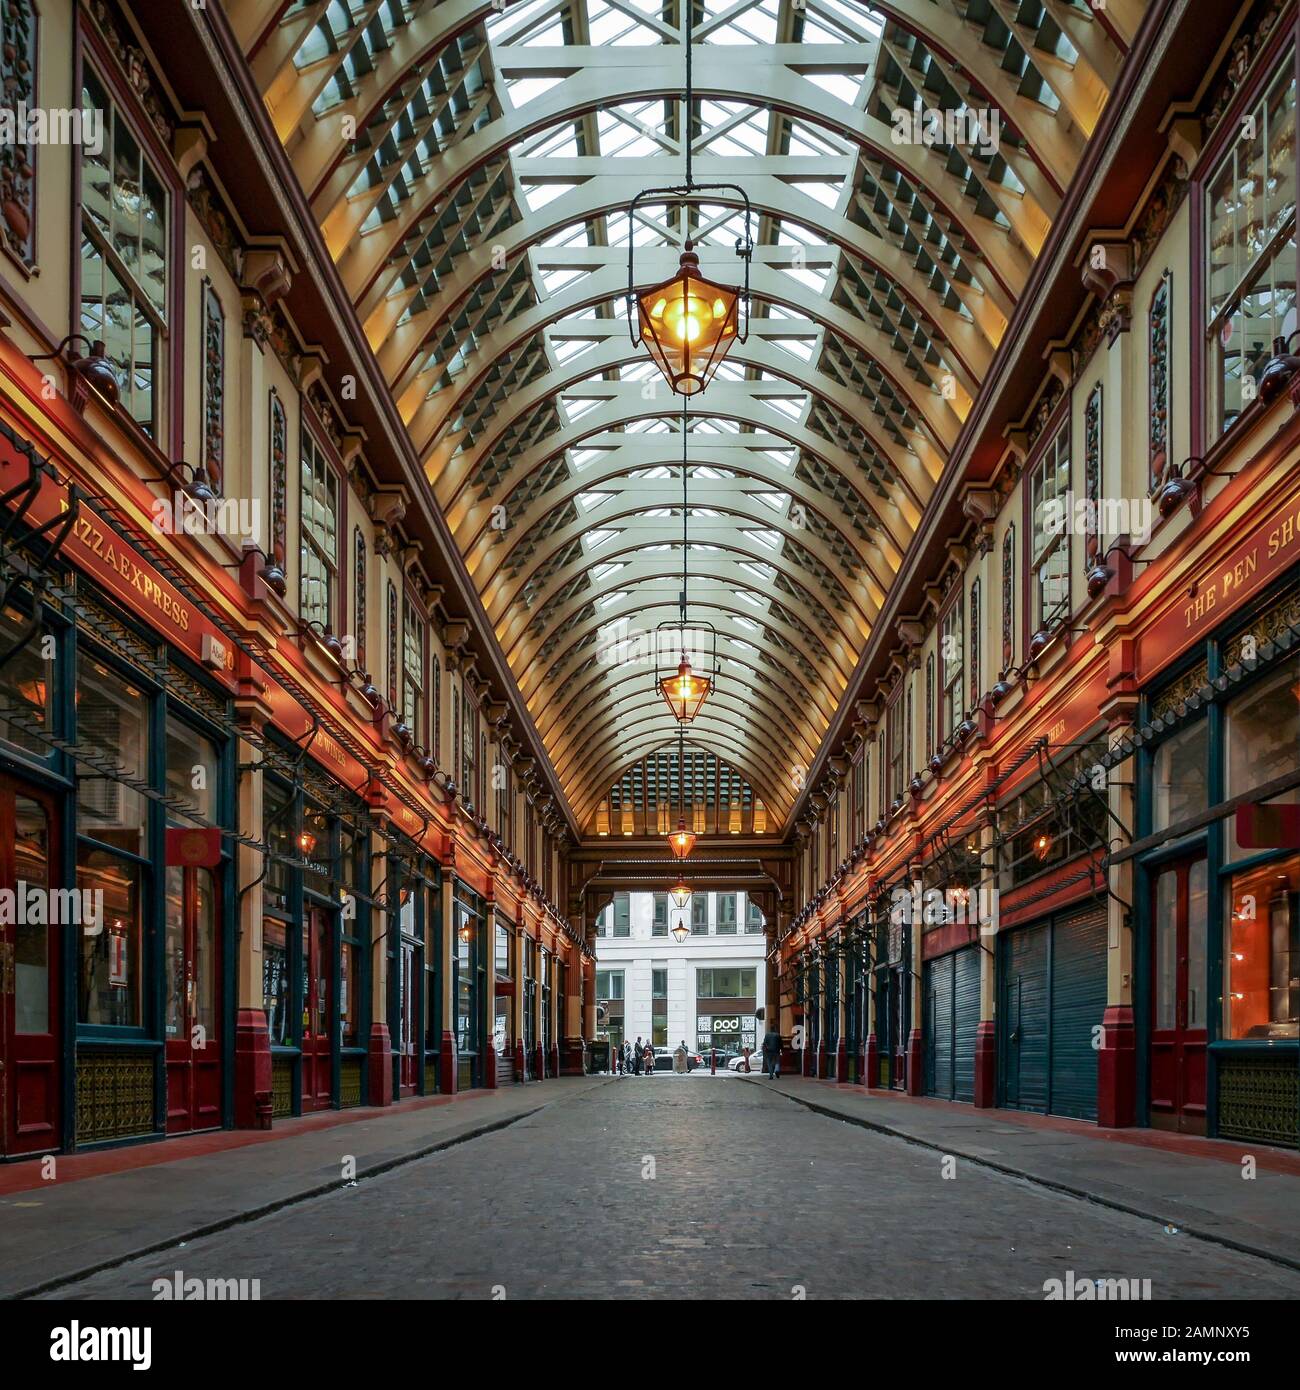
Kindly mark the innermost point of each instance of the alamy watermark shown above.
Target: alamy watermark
(52, 125)
(29, 904)
(1075, 1289)
(978, 128)
(931, 907)
(1104, 516)
(239, 518)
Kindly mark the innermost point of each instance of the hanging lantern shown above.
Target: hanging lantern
(680, 930)
(1042, 844)
(685, 692)
(680, 893)
(689, 325)
(681, 841)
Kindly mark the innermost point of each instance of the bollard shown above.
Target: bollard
(713, 1061)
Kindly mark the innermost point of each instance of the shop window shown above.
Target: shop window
(1250, 204)
(1050, 545)
(319, 550)
(124, 258)
(26, 690)
(1261, 952)
(659, 1008)
(275, 982)
(112, 720)
(726, 914)
(1263, 740)
(413, 669)
(192, 771)
(31, 940)
(109, 986)
(1180, 776)
(18, 77)
(622, 914)
(278, 833)
(699, 914)
(659, 927)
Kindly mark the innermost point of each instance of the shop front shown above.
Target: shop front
(115, 893)
(725, 1004)
(828, 1051)
(469, 987)
(412, 884)
(315, 937)
(893, 1000)
(1051, 1005)
(503, 1002)
(1217, 1008)
(950, 995)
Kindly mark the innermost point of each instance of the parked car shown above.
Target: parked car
(738, 1062)
(664, 1059)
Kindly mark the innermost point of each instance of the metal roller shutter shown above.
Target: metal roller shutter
(937, 986)
(1023, 1019)
(966, 1017)
(1077, 1008)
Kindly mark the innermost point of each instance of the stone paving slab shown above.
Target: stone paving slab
(1201, 1195)
(70, 1229)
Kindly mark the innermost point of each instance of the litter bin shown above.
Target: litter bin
(598, 1056)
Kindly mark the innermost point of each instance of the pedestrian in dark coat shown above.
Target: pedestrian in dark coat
(636, 1058)
(772, 1054)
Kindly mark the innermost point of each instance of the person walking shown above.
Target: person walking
(679, 1058)
(637, 1058)
(649, 1059)
(627, 1058)
(772, 1054)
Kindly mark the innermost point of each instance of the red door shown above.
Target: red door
(1178, 996)
(191, 1016)
(29, 973)
(316, 1087)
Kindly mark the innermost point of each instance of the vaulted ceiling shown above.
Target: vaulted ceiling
(471, 166)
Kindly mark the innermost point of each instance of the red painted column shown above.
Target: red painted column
(490, 1068)
(1117, 1069)
(842, 1062)
(380, 1065)
(573, 1061)
(252, 1070)
(448, 1065)
(820, 1071)
(555, 1059)
(539, 1062)
(986, 1064)
(915, 1069)
(520, 1074)
(871, 1063)
(807, 1060)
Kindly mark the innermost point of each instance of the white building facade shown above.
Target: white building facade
(704, 991)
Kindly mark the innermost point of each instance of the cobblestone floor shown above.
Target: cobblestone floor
(694, 1187)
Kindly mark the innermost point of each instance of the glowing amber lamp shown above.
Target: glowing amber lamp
(680, 893)
(685, 692)
(681, 841)
(689, 325)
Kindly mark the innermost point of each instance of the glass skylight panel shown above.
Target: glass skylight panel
(537, 195)
(771, 539)
(522, 90)
(589, 501)
(594, 538)
(746, 624)
(747, 595)
(611, 599)
(775, 500)
(606, 568)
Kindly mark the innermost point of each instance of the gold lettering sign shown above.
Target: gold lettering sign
(1276, 547)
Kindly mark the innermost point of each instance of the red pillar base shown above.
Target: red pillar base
(520, 1074)
(252, 1070)
(841, 1062)
(821, 1073)
(573, 1058)
(807, 1061)
(448, 1066)
(379, 1064)
(871, 1063)
(1117, 1069)
(554, 1061)
(539, 1062)
(789, 1059)
(915, 1069)
(490, 1068)
(986, 1064)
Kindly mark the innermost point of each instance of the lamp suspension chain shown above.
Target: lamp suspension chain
(690, 17)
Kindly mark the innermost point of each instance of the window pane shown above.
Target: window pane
(111, 719)
(1179, 784)
(26, 695)
(31, 939)
(1261, 953)
(192, 770)
(275, 982)
(1263, 736)
(110, 949)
